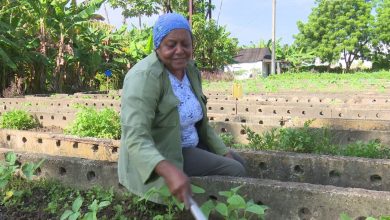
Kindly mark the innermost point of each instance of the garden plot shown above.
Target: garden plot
(286, 200)
(287, 182)
(283, 166)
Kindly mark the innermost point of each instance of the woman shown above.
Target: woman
(166, 136)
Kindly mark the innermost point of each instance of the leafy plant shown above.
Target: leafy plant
(308, 140)
(10, 169)
(235, 207)
(18, 119)
(90, 122)
(94, 208)
(74, 213)
(172, 203)
(227, 138)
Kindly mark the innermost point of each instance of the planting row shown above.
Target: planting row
(327, 170)
(285, 200)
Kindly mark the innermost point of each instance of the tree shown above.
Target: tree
(213, 48)
(381, 39)
(337, 27)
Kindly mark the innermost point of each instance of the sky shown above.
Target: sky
(247, 20)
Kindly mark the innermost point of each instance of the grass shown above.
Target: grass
(307, 81)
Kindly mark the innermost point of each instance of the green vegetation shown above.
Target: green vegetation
(51, 200)
(308, 140)
(18, 119)
(338, 26)
(307, 81)
(90, 122)
(235, 207)
(344, 216)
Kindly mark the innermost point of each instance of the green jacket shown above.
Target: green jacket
(151, 126)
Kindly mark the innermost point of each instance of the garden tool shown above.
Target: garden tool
(195, 210)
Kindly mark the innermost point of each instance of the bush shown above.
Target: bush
(92, 123)
(18, 119)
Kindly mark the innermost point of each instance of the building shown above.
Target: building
(251, 60)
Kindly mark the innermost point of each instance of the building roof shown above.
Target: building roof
(252, 55)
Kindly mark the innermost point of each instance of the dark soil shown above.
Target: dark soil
(48, 200)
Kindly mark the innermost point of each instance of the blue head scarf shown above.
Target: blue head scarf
(167, 23)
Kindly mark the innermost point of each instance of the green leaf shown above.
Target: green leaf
(344, 216)
(10, 158)
(66, 214)
(77, 204)
(257, 209)
(222, 209)
(104, 204)
(207, 207)
(74, 216)
(197, 189)
(236, 201)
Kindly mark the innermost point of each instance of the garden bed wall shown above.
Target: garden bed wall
(286, 200)
(289, 167)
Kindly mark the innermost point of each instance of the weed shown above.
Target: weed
(18, 119)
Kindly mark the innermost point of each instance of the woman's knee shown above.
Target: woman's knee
(237, 169)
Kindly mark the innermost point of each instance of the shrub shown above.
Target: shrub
(92, 123)
(18, 119)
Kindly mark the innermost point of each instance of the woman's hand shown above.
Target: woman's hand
(178, 182)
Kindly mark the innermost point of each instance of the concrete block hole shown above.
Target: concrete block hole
(376, 179)
(58, 143)
(298, 169)
(95, 148)
(62, 171)
(8, 137)
(304, 214)
(39, 141)
(91, 175)
(263, 166)
(75, 145)
(24, 139)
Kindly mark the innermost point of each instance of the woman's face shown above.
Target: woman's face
(175, 50)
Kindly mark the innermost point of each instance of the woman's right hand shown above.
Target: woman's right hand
(178, 182)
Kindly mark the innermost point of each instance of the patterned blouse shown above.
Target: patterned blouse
(189, 109)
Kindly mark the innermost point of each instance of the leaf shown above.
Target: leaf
(74, 216)
(222, 209)
(207, 207)
(8, 195)
(257, 209)
(236, 201)
(77, 204)
(104, 204)
(66, 214)
(197, 189)
(344, 216)
(10, 158)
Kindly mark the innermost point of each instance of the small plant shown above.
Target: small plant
(92, 123)
(94, 208)
(227, 138)
(18, 119)
(10, 169)
(235, 207)
(74, 213)
(308, 140)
